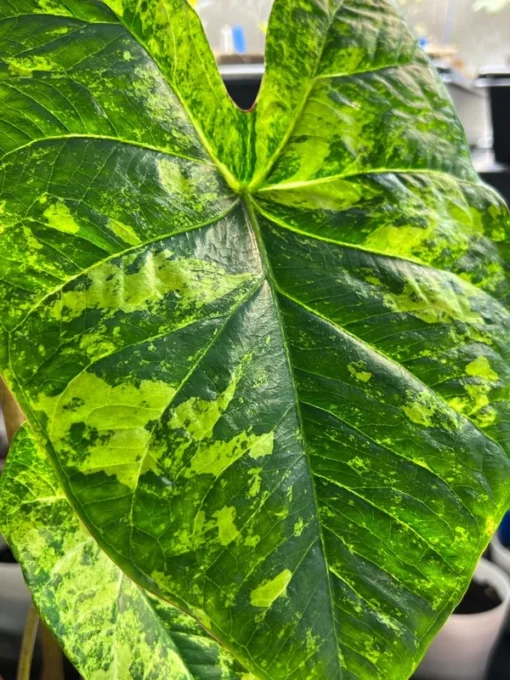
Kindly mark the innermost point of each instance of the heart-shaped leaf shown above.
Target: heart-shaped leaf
(267, 352)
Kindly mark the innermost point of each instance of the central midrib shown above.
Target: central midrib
(252, 221)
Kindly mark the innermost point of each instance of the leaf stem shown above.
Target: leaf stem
(27, 644)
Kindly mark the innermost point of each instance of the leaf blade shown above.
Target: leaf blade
(306, 385)
(333, 99)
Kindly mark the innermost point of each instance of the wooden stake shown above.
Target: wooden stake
(52, 658)
(27, 645)
(13, 415)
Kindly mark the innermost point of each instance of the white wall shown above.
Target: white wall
(481, 38)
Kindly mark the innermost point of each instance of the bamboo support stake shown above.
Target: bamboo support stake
(13, 415)
(27, 645)
(52, 658)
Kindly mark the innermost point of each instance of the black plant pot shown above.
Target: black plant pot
(242, 82)
(498, 83)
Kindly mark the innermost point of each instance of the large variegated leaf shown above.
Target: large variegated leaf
(266, 352)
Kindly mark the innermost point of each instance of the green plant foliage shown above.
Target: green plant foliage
(108, 625)
(266, 353)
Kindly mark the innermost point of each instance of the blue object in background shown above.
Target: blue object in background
(239, 39)
(504, 530)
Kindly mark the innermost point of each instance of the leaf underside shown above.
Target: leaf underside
(264, 356)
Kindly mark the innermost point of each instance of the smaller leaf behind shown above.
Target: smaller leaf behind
(107, 625)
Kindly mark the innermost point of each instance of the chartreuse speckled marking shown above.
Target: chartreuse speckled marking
(267, 353)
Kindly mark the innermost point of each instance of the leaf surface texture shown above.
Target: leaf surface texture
(266, 353)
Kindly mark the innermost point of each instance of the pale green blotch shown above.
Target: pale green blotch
(252, 540)
(25, 65)
(173, 178)
(486, 418)
(299, 526)
(335, 196)
(200, 526)
(481, 368)
(122, 412)
(255, 481)
(122, 626)
(227, 530)
(195, 283)
(476, 403)
(67, 556)
(19, 72)
(212, 458)
(462, 539)
(31, 240)
(419, 413)
(355, 368)
(403, 241)
(263, 446)
(358, 464)
(271, 590)
(451, 228)
(53, 7)
(494, 275)
(311, 640)
(123, 231)
(59, 217)
(30, 539)
(183, 183)
(97, 343)
(423, 409)
(432, 301)
(198, 417)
